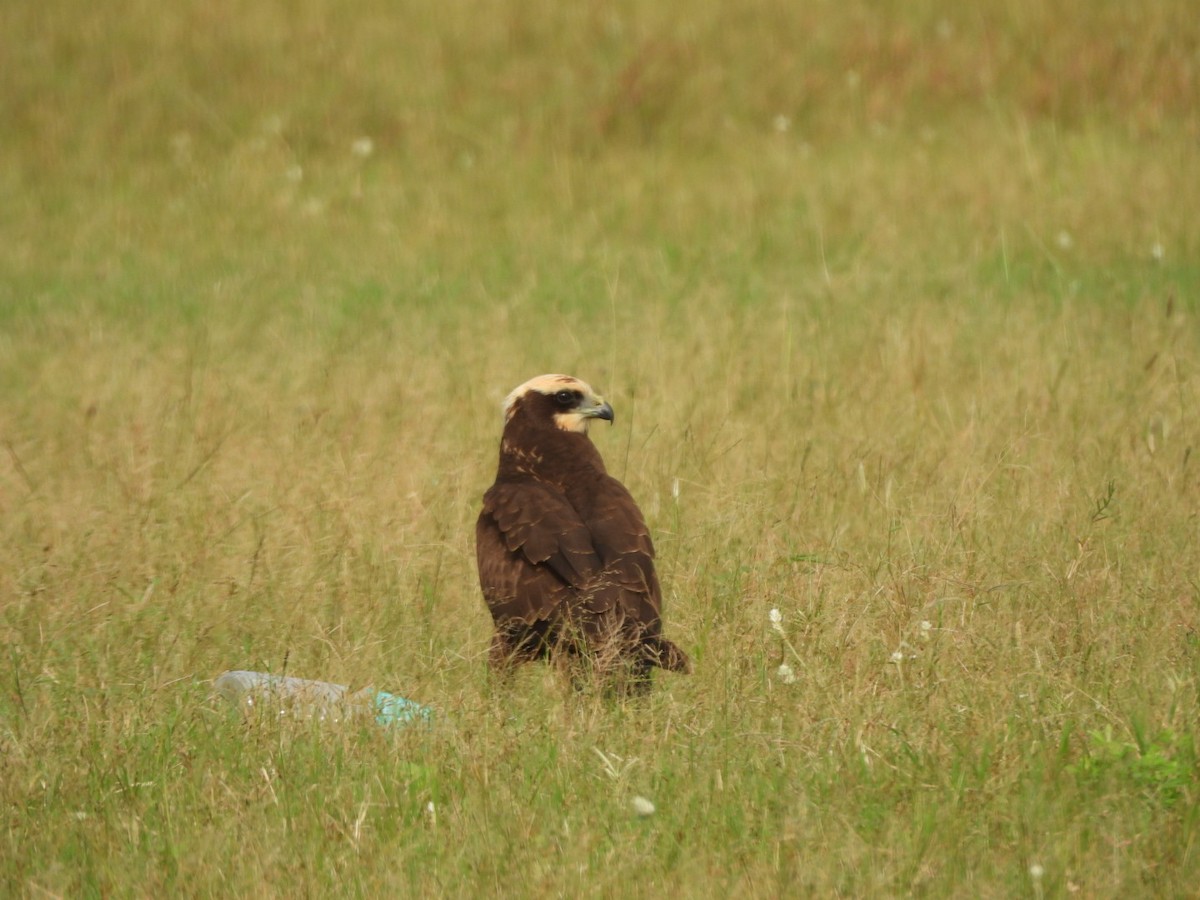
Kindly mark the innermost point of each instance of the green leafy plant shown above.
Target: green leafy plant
(1158, 767)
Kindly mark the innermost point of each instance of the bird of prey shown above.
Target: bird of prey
(565, 559)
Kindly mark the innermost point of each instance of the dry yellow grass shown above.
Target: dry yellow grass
(897, 307)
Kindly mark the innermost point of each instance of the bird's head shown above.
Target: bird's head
(562, 401)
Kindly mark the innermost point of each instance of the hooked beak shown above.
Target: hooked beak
(600, 410)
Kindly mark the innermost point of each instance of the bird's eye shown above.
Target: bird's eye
(567, 398)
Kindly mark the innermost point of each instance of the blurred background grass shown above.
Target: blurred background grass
(896, 303)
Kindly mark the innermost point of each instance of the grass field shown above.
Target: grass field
(897, 305)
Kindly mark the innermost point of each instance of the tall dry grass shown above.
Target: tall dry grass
(896, 305)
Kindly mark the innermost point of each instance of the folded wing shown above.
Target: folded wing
(540, 559)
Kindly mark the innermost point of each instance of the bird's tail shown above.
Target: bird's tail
(666, 655)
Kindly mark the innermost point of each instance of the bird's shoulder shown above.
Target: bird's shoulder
(522, 497)
(537, 520)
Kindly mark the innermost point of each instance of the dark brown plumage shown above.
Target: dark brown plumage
(565, 559)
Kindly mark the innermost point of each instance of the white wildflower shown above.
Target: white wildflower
(642, 806)
(786, 674)
(776, 618)
(898, 656)
(362, 147)
(1064, 240)
(1036, 871)
(782, 123)
(1158, 251)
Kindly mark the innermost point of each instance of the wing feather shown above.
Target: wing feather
(514, 589)
(538, 522)
(622, 541)
(537, 555)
